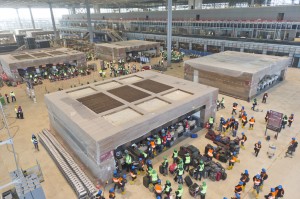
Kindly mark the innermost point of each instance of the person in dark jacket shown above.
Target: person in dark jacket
(279, 192)
(244, 178)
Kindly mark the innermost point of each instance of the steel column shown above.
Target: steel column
(169, 34)
(19, 20)
(32, 20)
(88, 14)
(53, 22)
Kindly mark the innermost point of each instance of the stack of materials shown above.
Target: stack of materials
(29, 186)
(80, 183)
(42, 43)
(29, 42)
(20, 40)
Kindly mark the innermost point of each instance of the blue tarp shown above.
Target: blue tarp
(194, 52)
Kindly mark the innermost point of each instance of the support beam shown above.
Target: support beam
(19, 20)
(32, 20)
(169, 34)
(198, 4)
(88, 14)
(97, 8)
(53, 22)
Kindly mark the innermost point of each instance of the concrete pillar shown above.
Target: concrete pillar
(252, 3)
(190, 46)
(205, 47)
(19, 20)
(264, 51)
(222, 47)
(32, 21)
(97, 9)
(88, 15)
(73, 10)
(169, 33)
(191, 4)
(242, 49)
(177, 44)
(198, 4)
(53, 22)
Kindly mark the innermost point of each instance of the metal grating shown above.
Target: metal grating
(128, 93)
(152, 86)
(99, 102)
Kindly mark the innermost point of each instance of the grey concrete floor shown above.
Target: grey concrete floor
(284, 98)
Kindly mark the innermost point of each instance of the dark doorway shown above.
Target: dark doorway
(280, 16)
(197, 17)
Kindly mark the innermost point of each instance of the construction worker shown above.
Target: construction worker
(231, 122)
(158, 143)
(180, 163)
(141, 164)
(279, 192)
(16, 111)
(222, 103)
(158, 189)
(122, 182)
(232, 160)
(179, 192)
(211, 121)
(128, 160)
(244, 178)
(256, 185)
(165, 165)
(168, 189)
(284, 121)
(203, 190)
(291, 119)
(169, 139)
(267, 116)
(112, 194)
(35, 142)
(154, 177)
(264, 99)
(254, 103)
(243, 140)
(234, 107)
(199, 170)
(210, 153)
(150, 150)
(272, 194)
(115, 178)
(257, 147)
(99, 194)
(149, 165)
(180, 172)
(187, 162)
(238, 190)
(292, 147)
(251, 123)
(218, 104)
(244, 120)
(263, 176)
(133, 173)
(13, 96)
(242, 112)
(222, 121)
(235, 128)
(152, 144)
(225, 125)
(175, 156)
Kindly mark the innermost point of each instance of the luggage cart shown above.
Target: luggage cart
(271, 151)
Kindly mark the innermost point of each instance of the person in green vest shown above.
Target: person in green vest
(179, 175)
(128, 160)
(158, 144)
(187, 162)
(203, 190)
(168, 189)
(180, 163)
(153, 176)
(165, 165)
(211, 121)
(199, 170)
(179, 192)
(175, 156)
(284, 121)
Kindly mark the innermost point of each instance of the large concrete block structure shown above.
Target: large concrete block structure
(10, 63)
(119, 50)
(96, 119)
(237, 74)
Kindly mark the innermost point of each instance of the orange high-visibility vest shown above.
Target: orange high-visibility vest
(210, 152)
(158, 188)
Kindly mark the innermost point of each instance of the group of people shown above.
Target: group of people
(119, 68)
(258, 183)
(11, 95)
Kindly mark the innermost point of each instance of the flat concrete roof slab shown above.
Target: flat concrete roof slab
(177, 95)
(108, 85)
(81, 92)
(152, 105)
(131, 79)
(122, 116)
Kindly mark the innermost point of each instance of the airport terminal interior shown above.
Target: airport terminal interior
(162, 99)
